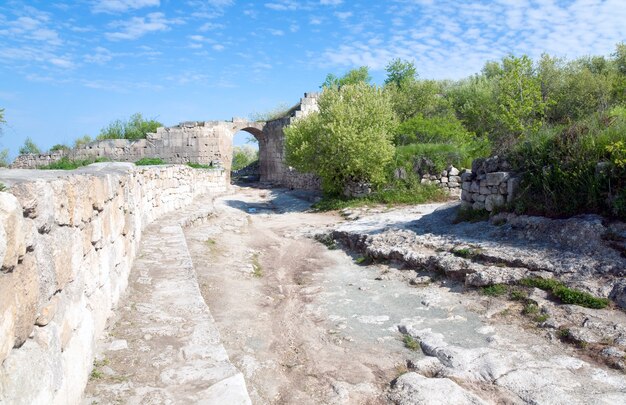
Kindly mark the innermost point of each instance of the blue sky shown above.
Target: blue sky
(67, 68)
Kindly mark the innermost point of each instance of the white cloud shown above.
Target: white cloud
(343, 15)
(62, 62)
(283, 5)
(137, 27)
(315, 20)
(451, 39)
(118, 6)
(331, 2)
(276, 32)
(100, 56)
(219, 47)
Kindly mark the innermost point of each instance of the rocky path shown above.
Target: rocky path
(297, 321)
(310, 325)
(163, 346)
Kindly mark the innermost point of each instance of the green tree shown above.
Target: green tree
(400, 72)
(473, 100)
(354, 76)
(244, 156)
(520, 103)
(418, 97)
(4, 158)
(2, 121)
(82, 141)
(58, 147)
(136, 127)
(349, 139)
(29, 147)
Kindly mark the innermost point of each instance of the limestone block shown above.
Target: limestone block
(495, 178)
(467, 176)
(475, 187)
(12, 232)
(466, 196)
(455, 179)
(444, 180)
(493, 201)
(453, 171)
(453, 184)
(485, 190)
(512, 188)
(466, 185)
(502, 188)
(47, 312)
(618, 294)
(478, 206)
(480, 197)
(25, 287)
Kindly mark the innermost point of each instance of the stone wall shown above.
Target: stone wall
(198, 142)
(449, 179)
(67, 243)
(204, 142)
(490, 184)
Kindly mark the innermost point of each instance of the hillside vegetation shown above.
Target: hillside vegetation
(561, 123)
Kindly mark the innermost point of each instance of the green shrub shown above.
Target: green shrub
(29, 147)
(399, 195)
(136, 127)
(348, 140)
(150, 162)
(4, 158)
(560, 169)
(244, 156)
(580, 298)
(66, 163)
(495, 290)
(565, 294)
(3, 187)
(410, 342)
(58, 147)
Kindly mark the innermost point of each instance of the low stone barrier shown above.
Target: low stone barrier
(67, 244)
(449, 179)
(490, 184)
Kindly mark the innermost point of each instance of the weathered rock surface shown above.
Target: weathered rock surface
(415, 389)
(164, 343)
(67, 242)
(523, 369)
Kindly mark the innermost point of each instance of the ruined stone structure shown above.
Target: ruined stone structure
(490, 184)
(204, 142)
(67, 244)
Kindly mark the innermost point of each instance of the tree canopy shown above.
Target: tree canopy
(348, 140)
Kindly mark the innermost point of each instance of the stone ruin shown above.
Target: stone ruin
(490, 184)
(203, 142)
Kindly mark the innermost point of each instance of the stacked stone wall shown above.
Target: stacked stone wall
(490, 184)
(449, 179)
(67, 243)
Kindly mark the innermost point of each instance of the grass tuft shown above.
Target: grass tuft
(495, 290)
(565, 294)
(199, 165)
(417, 194)
(150, 162)
(411, 343)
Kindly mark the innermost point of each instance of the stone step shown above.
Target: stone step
(163, 345)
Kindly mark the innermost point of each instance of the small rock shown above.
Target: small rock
(120, 344)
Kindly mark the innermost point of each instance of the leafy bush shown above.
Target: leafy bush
(59, 147)
(561, 176)
(150, 162)
(66, 163)
(244, 156)
(136, 127)
(82, 141)
(348, 140)
(29, 147)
